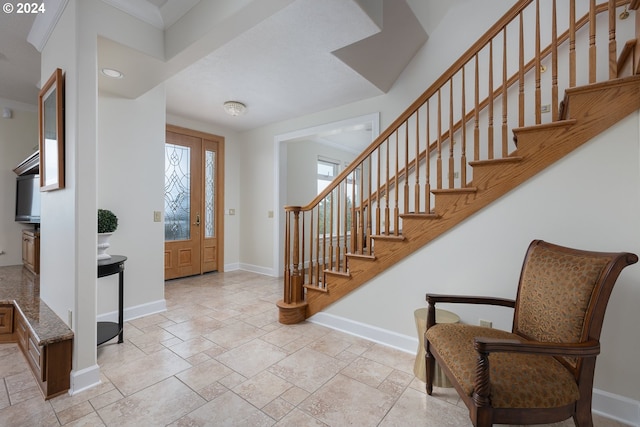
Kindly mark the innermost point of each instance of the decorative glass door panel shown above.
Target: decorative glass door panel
(210, 206)
(182, 246)
(209, 193)
(194, 187)
(177, 193)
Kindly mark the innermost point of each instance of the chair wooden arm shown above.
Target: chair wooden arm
(432, 299)
(469, 299)
(484, 346)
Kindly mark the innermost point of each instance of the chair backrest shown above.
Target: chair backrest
(563, 292)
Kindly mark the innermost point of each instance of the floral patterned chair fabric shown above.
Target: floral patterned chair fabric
(541, 371)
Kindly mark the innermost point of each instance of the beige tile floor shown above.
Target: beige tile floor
(219, 357)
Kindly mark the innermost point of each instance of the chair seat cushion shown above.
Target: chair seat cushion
(517, 380)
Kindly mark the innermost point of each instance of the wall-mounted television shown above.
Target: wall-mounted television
(28, 199)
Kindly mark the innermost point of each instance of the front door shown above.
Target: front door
(193, 216)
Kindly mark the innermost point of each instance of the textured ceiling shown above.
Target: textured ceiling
(281, 68)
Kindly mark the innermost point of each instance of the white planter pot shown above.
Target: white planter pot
(103, 245)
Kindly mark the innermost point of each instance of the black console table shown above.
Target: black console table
(109, 330)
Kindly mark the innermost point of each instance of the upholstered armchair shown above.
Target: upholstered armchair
(541, 371)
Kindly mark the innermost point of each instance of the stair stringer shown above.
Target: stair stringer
(591, 110)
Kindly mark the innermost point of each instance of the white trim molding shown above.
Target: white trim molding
(265, 271)
(135, 312)
(84, 379)
(44, 23)
(616, 407)
(385, 337)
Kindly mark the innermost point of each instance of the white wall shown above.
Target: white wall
(18, 140)
(131, 184)
(62, 267)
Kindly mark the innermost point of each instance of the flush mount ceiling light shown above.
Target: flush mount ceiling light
(234, 108)
(113, 73)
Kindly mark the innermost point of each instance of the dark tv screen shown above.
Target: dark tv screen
(28, 199)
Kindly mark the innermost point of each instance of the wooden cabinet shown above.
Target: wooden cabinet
(6, 323)
(22, 333)
(50, 364)
(31, 250)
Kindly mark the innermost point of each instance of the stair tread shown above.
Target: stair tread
(362, 256)
(316, 288)
(397, 237)
(602, 85)
(337, 273)
(455, 190)
(533, 128)
(420, 215)
(488, 162)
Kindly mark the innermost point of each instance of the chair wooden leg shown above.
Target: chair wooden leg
(430, 369)
(482, 417)
(582, 417)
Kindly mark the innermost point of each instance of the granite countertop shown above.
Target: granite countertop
(20, 287)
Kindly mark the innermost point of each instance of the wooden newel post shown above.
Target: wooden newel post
(293, 307)
(296, 276)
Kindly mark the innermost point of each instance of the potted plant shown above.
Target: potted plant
(107, 224)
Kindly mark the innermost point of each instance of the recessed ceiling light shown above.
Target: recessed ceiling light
(113, 73)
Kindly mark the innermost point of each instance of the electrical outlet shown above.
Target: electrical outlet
(545, 108)
(486, 323)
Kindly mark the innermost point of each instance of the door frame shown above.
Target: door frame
(219, 188)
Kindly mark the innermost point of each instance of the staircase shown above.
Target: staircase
(477, 133)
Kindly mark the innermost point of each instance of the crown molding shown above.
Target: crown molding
(44, 23)
(140, 9)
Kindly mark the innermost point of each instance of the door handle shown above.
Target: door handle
(197, 220)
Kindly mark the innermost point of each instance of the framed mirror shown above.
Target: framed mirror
(51, 132)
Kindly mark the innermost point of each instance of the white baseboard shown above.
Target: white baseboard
(84, 379)
(257, 269)
(372, 333)
(135, 312)
(605, 404)
(616, 407)
(232, 267)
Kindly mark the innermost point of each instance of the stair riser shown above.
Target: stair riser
(443, 202)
